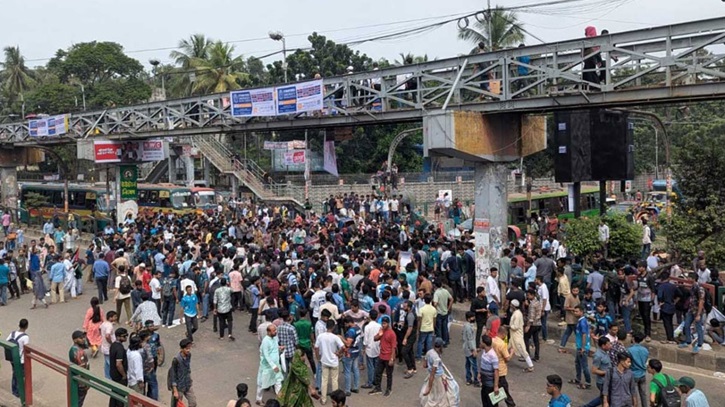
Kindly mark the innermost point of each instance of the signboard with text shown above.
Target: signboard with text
(252, 103)
(49, 126)
(112, 151)
(129, 182)
(281, 100)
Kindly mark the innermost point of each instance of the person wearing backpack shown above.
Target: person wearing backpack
(662, 390)
(20, 338)
(695, 314)
(122, 298)
(169, 297)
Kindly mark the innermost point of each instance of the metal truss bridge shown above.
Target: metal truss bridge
(674, 63)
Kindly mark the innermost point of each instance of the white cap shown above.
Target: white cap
(515, 303)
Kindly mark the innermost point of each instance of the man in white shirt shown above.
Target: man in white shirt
(155, 285)
(493, 292)
(21, 338)
(703, 273)
(604, 236)
(135, 365)
(318, 298)
(543, 292)
(328, 348)
(372, 347)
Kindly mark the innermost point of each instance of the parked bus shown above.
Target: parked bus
(205, 199)
(551, 202)
(165, 198)
(86, 202)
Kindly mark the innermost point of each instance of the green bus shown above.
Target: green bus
(86, 202)
(551, 202)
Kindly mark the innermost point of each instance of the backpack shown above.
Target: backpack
(667, 396)
(652, 234)
(13, 339)
(124, 286)
(166, 289)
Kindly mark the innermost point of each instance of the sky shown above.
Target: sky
(149, 29)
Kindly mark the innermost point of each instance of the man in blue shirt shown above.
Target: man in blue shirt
(581, 334)
(254, 290)
(101, 271)
(640, 354)
(600, 366)
(57, 279)
(189, 312)
(553, 388)
(4, 281)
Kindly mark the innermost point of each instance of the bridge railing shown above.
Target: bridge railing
(16, 366)
(658, 57)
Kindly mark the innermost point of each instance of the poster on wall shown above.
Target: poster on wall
(253, 103)
(49, 126)
(300, 97)
(112, 151)
(482, 239)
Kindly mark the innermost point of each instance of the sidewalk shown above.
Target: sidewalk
(713, 360)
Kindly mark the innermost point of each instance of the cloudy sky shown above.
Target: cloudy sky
(149, 29)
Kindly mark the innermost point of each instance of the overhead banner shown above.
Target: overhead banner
(49, 126)
(300, 97)
(129, 182)
(330, 157)
(255, 102)
(285, 145)
(294, 157)
(110, 151)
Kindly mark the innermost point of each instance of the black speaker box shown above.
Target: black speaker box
(612, 145)
(572, 161)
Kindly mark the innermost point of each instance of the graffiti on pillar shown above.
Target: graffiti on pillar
(482, 236)
(10, 191)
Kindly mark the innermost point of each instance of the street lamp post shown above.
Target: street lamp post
(278, 36)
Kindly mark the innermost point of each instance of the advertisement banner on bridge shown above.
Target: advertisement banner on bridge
(49, 126)
(285, 145)
(300, 97)
(294, 157)
(111, 151)
(253, 103)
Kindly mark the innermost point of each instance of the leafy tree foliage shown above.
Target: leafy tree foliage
(582, 236)
(501, 29)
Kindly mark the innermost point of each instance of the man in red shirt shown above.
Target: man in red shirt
(388, 343)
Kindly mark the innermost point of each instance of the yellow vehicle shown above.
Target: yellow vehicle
(154, 198)
(84, 201)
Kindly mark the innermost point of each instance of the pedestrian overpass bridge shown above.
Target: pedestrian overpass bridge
(667, 64)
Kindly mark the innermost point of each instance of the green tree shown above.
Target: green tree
(502, 27)
(698, 219)
(16, 77)
(221, 71)
(582, 236)
(410, 59)
(108, 75)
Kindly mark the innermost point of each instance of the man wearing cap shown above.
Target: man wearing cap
(516, 325)
(119, 363)
(77, 355)
(693, 397)
(180, 382)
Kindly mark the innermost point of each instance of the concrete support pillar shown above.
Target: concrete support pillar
(172, 169)
(235, 186)
(189, 166)
(10, 190)
(491, 216)
(207, 172)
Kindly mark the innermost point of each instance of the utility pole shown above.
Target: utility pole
(490, 28)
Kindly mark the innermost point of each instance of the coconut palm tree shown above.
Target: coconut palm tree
(16, 77)
(503, 27)
(195, 47)
(409, 59)
(221, 71)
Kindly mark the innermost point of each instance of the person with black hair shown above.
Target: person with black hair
(135, 364)
(600, 365)
(661, 386)
(553, 388)
(619, 388)
(20, 338)
(223, 308)
(77, 355)
(118, 364)
(242, 390)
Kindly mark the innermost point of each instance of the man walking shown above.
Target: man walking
(372, 347)
(20, 338)
(601, 364)
(190, 312)
(287, 336)
(644, 287)
(427, 315)
(223, 308)
(443, 302)
(180, 382)
(77, 355)
(101, 271)
(695, 314)
(270, 372)
(619, 389)
(639, 355)
(328, 348)
(409, 329)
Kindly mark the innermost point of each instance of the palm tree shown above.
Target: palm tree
(16, 77)
(195, 47)
(410, 59)
(221, 71)
(503, 27)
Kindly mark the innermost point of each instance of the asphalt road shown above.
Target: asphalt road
(217, 366)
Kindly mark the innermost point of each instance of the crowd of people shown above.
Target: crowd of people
(350, 295)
